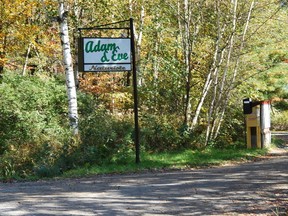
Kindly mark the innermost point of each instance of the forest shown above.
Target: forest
(196, 60)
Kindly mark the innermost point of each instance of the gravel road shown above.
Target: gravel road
(254, 188)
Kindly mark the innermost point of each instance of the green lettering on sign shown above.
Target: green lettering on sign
(107, 52)
(90, 47)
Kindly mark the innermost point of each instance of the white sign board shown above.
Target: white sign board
(106, 54)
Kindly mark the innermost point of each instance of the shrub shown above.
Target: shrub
(232, 132)
(104, 139)
(159, 133)
(279, 121)
(281, 105)
(33, 125)
(34, 130)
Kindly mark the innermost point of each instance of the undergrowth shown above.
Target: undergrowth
(36, 142)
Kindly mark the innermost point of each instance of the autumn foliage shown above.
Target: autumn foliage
(195, 61)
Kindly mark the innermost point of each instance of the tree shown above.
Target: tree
(242, 65)
(67, 57)
(221, 96)
(16, 28)
(195, 58)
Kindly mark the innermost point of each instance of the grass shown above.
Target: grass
(170, 160)
(185, 159)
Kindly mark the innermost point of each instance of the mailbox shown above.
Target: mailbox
(247, 106)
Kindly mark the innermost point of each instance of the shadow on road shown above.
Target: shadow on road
(246, 189)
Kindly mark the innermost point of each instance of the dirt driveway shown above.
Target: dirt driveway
(254, 188)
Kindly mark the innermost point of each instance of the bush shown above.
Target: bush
(275, 57)
(160, 133)
(33, 125)
(281, 105)
(35, 137)
(104, 139)
(232, 132)
(279, 121)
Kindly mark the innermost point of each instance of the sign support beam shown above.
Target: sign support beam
(135, 93)
(102, 54)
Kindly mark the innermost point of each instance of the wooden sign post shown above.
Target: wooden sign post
(111, 54)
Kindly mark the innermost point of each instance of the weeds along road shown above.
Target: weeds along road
(254, 188)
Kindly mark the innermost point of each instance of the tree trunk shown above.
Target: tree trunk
(26, 60)
(67, 58)
(156, 53)
(209, 79)
(138, 39)
(218, 94)
(189, 26)
(221, 106)
(3, 55)
(235, 71)
(77, 13)
(187, 58)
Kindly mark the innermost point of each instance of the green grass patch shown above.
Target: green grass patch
(170, 160)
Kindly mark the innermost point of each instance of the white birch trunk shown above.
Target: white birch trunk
(232, 81)
(212, 114)
(189, 26)
(156, 50)
(186, 47)
(138, 39)
(26, 60)
(242, 43)
(222, 105)
(67, 58)
(209, 80)
(139, 46)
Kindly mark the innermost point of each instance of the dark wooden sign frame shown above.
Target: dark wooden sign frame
(81, 64)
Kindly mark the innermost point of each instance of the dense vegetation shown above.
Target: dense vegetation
(196, 61)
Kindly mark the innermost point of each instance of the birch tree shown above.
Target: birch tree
(236, 40)
(67, 58)
(138, 38)
(225, 96)
(189, 23)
